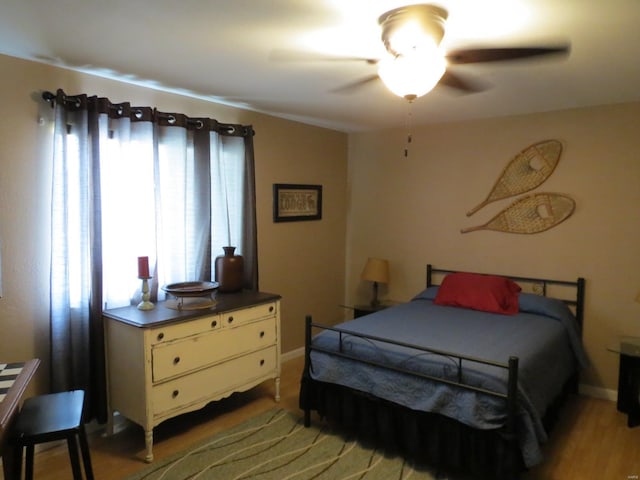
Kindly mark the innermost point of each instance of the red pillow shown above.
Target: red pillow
(488, 293)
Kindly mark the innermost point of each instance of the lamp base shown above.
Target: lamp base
(375, 303)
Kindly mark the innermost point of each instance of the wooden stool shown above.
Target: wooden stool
(47, 418)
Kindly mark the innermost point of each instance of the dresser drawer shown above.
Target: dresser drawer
(214, 380)
(238, 317)
(184, 329)
(179, 357)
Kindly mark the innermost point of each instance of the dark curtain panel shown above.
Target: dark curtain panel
(250, 231)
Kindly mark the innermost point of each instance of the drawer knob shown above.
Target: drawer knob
(261, 334)
(271, 309)
(160, 336)
(230, 320)
(176, 360)
(214, 324)
(175, 393)
(262, 362)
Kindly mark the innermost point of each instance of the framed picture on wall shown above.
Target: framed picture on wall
(294, 202)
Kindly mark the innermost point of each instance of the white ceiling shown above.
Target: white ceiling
(221, 50)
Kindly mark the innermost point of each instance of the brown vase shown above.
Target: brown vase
(229, 270)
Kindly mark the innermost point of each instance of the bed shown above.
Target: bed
(468, 376)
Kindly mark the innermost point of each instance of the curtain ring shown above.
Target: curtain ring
(48, 96)
(171, 119)
(199, 124)
(231, 129)
(138, 114)
(78, 102)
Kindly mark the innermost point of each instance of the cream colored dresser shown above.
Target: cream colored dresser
(165, 362)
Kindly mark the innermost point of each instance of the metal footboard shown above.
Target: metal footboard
(511, 366)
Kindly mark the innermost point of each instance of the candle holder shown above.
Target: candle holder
(145, 304)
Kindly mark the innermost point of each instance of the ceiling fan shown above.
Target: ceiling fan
(415, 61)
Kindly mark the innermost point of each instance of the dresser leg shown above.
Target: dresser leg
(148, 440)
(277, 389)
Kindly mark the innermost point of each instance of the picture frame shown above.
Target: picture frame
(296, 202)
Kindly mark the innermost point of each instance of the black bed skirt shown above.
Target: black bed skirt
(425, 438)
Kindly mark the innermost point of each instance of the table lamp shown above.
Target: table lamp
(376, 270)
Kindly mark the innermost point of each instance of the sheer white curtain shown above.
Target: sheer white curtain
(228, 193)
(128, 206)
(130, 182)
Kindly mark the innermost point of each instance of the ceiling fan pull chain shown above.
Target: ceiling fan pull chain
(408, 127)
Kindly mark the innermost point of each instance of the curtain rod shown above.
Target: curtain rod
(198, 123)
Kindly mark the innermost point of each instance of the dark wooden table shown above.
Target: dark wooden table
(15, 385)
(629, 378)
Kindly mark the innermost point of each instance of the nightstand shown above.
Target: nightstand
(365, 309)
(629, 378)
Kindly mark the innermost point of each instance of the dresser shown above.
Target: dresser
(165, 362)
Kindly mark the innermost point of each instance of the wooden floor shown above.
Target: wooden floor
(591, 442)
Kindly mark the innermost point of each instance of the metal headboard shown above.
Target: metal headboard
(542, 285)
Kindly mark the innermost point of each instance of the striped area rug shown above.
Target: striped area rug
(276, 446)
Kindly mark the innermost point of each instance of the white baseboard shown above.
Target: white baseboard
(298, 352)
(598, 392)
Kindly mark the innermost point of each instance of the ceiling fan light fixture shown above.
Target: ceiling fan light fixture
(413, 75)
(407, 28)
(408, 37)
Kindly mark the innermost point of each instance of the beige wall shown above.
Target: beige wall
(410, 210)
(303, 261)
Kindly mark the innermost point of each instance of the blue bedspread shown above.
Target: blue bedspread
(544, 336)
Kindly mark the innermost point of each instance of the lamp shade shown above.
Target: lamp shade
(376, 270)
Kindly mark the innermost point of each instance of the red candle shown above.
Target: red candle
(143, 267)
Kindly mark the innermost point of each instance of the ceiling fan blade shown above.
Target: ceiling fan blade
(305, 56)
(479, 55)
(350, 87)
(464, 85)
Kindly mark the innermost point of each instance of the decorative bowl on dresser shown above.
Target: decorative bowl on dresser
(165, 362)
